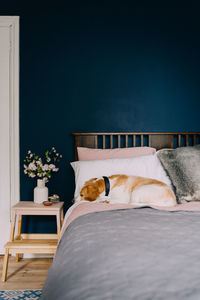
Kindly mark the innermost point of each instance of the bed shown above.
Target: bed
(121, 251)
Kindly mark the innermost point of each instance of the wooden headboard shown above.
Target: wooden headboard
(156, 140)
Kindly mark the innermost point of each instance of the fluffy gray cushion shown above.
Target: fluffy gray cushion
(183, 167)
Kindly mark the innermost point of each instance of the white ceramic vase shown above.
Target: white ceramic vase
(40, 192)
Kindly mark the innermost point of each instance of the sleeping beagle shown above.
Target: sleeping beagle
(128, 190)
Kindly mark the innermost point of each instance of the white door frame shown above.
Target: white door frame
(13, 23)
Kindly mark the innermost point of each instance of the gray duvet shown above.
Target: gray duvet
(128, 254)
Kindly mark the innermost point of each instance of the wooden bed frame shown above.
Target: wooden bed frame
(156, 140)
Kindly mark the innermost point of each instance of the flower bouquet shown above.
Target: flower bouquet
(42, 169)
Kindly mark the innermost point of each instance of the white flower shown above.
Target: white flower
(25, 167)
(25, 172)
(32, 166)
(52, 166)
(29, 151)
(45, 167)
(32, 175)
(55, 169)
(48, 159)
(38, 162)
(31, 155)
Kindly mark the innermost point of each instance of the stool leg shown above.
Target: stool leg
(17, 257)
(6, 256)
(58, 223)
(62, 218)
(12, 232)
(5, 265)
(19, 234)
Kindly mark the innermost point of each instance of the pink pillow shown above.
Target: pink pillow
(99, 154)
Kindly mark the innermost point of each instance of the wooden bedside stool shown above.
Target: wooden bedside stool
(32, 243)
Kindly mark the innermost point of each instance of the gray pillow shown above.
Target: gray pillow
(183, 167)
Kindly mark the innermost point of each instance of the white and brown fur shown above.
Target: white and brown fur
(128, 190)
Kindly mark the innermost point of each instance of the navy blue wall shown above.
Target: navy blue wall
(102, 66)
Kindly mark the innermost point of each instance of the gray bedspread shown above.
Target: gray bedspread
(128, 254)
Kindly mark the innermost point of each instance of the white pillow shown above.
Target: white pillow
(147, 166)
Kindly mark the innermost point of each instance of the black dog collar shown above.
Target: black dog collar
(107, 185)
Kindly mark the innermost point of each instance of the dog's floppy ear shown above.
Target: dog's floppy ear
(100, 185)
(90, 192)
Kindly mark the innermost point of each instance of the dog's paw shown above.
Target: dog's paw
(104, 199)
